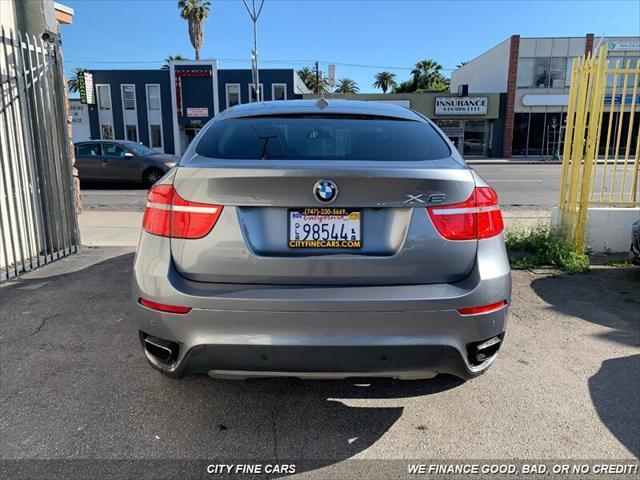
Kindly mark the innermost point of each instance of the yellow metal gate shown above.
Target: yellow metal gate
(601, 152)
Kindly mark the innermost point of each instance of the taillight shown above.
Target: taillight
(161, 307)
(482, 309)
(169, 215)
(477, 217)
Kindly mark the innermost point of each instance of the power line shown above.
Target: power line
(242, 60)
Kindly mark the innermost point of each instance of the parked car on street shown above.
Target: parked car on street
(634, 252)
(321, 239)
(120, 160)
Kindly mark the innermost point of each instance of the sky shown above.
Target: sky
(362, 37)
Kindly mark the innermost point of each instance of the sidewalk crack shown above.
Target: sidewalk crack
(42, 323)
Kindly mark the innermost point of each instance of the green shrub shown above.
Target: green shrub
(541, 245)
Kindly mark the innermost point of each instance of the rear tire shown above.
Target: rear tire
(151, 176)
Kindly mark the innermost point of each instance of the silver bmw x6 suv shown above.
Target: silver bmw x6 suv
(321, 239)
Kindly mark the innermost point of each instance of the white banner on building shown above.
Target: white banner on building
(198, 112)
(461, 105)
(630, 46)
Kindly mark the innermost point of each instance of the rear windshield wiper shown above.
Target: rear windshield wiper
(265, 132)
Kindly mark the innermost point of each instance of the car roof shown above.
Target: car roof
(120, 142)
(319, 107)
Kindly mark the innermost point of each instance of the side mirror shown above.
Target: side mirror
(128, 155)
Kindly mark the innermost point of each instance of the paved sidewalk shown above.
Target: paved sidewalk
(110, 229)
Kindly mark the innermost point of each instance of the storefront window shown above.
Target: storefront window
(520, 134)
(554, 133)
(541, 72)
(536, 134)
(475, 137)
(525, 72)
(558, 70)
(632, 61)
(453, 130)
(614, 62)
(568, 72)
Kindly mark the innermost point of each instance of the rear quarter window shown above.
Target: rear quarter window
(322, 138)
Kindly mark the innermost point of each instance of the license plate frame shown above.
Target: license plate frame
(331, 244)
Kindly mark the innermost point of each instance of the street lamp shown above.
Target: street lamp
(255, 14)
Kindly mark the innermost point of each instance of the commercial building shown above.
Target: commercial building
(534, 75)
(473, 123)
(165, 108)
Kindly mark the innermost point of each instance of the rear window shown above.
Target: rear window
(322, 138)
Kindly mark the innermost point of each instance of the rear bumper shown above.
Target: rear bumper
(396, 361)
(411, 331)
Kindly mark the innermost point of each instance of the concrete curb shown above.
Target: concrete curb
(498, 161)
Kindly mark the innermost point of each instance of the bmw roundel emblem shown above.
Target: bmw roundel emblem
(325, 191)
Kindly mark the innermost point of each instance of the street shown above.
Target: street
(520, 187)
(75, 384)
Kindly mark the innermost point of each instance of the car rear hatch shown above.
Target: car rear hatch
(276, 184)
(250, 242)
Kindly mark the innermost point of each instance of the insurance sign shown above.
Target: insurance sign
(461, 105)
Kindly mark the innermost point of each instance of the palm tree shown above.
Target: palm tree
(405, 87)
(346, 85)
(73, 83)
(170, 59)
(385, 81)
(195, 12)
(425, 73)
(308, 76)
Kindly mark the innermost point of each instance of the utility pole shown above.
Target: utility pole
(255, 15)
(317, 89)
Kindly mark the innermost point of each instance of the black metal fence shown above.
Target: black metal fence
(38, 221)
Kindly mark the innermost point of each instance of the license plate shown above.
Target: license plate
(325, 228)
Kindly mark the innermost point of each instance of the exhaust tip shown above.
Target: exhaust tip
(481, 351)
(162, 350)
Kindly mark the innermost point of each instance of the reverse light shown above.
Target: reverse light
(161, 307)
(476, 218)
(169, 215)
(483, 309)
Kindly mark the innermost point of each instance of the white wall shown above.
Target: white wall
(485, 74)
(80, 121)
(8, 15)
(608, 229)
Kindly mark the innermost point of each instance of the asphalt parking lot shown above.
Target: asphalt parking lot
(74, 383)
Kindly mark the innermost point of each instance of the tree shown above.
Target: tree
(171, 58)
(425, 73)
(346, 85)
(73, 83)
(426, 76)
(385, 81)
(405, 87)
(308, 77)
(195, 12)
(461, 64)
(305, 75)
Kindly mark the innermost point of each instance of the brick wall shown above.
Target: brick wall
(588, 47)
(507, 138)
